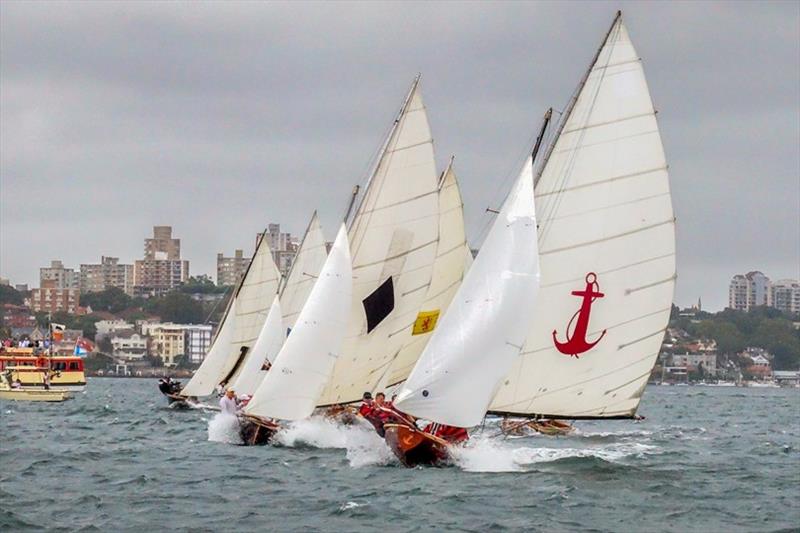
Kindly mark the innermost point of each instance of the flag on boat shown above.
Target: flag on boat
(426, 322)
(83, 347)
(57, 331)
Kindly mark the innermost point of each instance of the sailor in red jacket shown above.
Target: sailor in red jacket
(366, 405)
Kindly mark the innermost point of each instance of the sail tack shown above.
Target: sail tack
(240, 326)
(265, 349)
(292, 387)
(485, 327)
(607, 252)
(393, 236)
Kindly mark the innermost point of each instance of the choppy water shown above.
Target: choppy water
(116, 458)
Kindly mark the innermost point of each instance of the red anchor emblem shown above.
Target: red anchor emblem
(576, 341)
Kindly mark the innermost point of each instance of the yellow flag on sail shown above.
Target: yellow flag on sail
(426, 322)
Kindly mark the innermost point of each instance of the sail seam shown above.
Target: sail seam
(640, 339)
(626, 383)
(608, 141)
(654, 284)
(612, 237)
(609, 271)
(412, 250)
(637, 60)
(610, 206)
(607, 180)
(424, 285)
(395, 204)
(608, 122)
(395, 150)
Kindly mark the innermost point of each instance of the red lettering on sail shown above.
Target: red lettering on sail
(576, 342)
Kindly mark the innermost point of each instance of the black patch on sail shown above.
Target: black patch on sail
(379, 304)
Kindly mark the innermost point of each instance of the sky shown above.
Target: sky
(218, 118)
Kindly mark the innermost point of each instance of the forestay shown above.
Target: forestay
(241, 324)
(483, 331)
(292, 387)
(265, 349)
(393, 237)
(304, 272)
(448, 272)
(607, 232)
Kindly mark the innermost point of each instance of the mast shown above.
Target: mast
(386, 144)
(539, 137)
(574, 99)
(352, 202)
(285, 279)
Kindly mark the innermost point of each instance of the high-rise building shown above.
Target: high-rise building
(230, 269)
(283, 247)
(63, 278)
(785, 295)
(162, 269)
(109, 273)
(749, 290)
(50, 298)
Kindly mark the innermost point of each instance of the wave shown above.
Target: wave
(224, 428)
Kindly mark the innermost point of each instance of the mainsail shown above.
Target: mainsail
(448, 271)
(393, 239)
(265, 349)
(292, 387)
(483, 331)
(607, 251)
(240, 325)
(304, 272)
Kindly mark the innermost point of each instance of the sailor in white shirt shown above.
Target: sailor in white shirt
(228, 403)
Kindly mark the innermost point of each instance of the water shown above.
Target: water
(116, 458)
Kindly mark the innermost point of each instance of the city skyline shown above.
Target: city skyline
(106, 140)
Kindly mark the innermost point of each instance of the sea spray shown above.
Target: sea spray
(224, 428)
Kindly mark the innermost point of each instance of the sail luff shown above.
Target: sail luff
(574, 99)
(266, 347)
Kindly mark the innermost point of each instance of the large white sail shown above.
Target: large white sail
(304, 272)
(265, 349)
(448, 272)
(484, 329)
(393, 239)
(292, 387)
(244, 318)
(607, 251)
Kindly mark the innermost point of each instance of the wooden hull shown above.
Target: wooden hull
(414, 447)
(34, 395)
(256, 431)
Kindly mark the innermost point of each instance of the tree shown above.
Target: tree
(105, 346)
(112, 300)
(202, 284)
(10, 295)
(177, 307)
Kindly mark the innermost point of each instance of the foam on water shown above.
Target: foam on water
(363, 446)
(224, 428)
(486, 454)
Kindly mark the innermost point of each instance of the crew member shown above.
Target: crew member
(228, 403)
(366, 405)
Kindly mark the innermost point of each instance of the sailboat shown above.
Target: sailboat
(292, 295)
(452, 384)
(394, 236)
(240, 328)
(606, 248)
(292, 387)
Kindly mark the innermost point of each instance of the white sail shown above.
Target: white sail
(606, 220)
(448, 271)
(304, 272)
(292, 387)
(265, 349)
(244, 318)
(393, 239)
(482, 333)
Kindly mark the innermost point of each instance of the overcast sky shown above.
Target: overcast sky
(217, 118)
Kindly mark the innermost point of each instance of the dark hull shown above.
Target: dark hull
(414, 447)
(256, 431)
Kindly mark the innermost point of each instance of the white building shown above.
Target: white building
(62, 278)
(106, 327)
(749, 290)
(786, 295)
(198, 342)
(708, 361)
(171, 340)
(129, 346)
